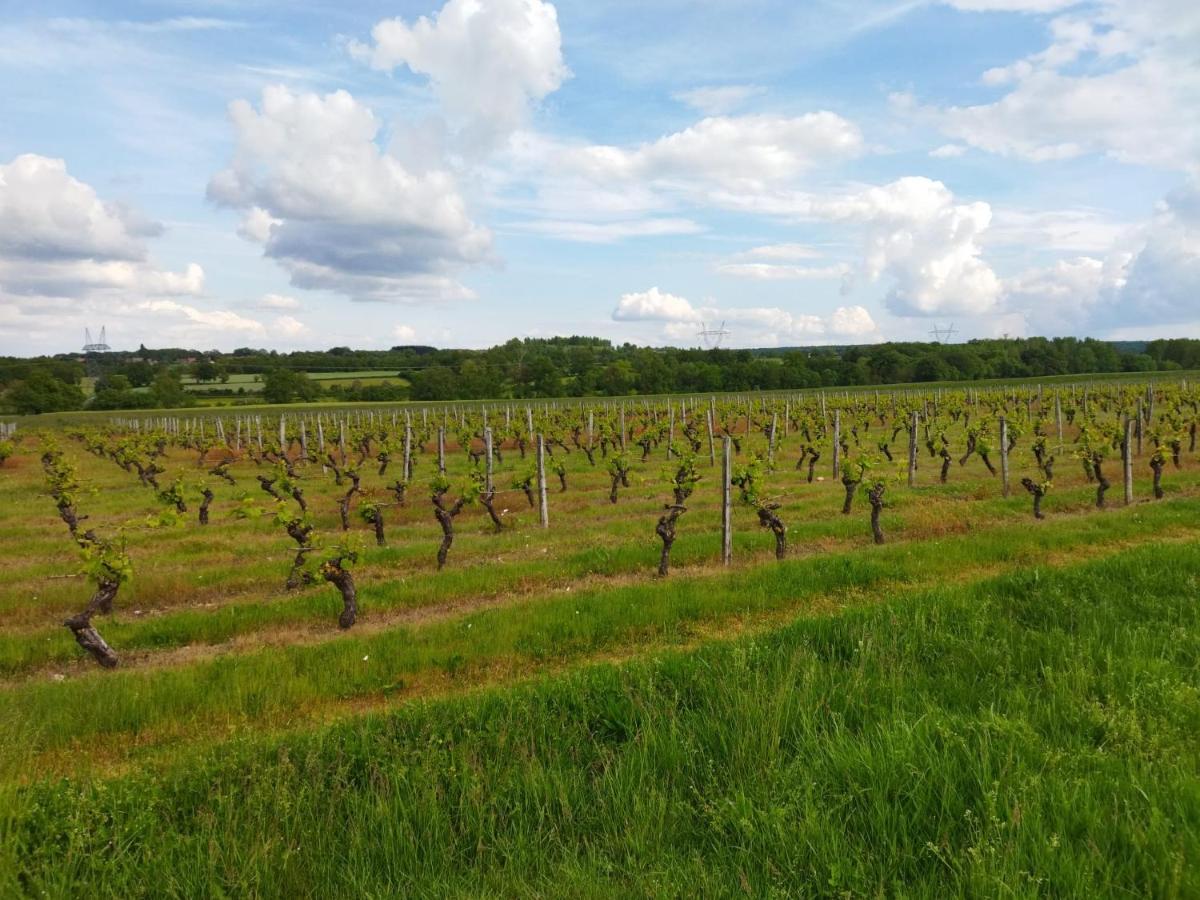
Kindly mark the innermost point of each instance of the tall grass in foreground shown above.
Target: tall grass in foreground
(1033, 734)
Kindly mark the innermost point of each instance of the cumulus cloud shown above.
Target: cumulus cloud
(404, 333)
(768, 325)
(1150, 275)
(65, 254)
(47, 215)
(337, 212)
(654, 305)
(715, 101)
(1163, 279)
(221, 321)
(289, 327)
(70, 260)
(779, 262)
(278, 301)
(732, 162)
(486, 62)
(925, 241)
(948, 151)
(729, 151)
(1118, 77)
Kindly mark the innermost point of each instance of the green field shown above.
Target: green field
(250, 383)
(983, 705)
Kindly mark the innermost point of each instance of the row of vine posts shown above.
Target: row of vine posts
(1108, 417)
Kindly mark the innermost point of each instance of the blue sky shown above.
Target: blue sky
(222, 174)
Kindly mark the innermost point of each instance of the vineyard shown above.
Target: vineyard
(911, 641)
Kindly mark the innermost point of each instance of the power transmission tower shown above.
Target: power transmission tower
(90, 346)
(943, 334)
(712, 336)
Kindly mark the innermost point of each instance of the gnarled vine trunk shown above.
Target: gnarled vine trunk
(1037, 492)
(301, 534)
(987, 462)
(344, 503)
(1102, 483)
(875, 495)
(268, 484)
(445, 518)
(377, 524)
(768, 519)
(666, 530)
(343, 580)
(488, 501)
(851, 485)
(86, 634)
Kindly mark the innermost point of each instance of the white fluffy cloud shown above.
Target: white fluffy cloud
(724, 162)
(715, 101)
(1118, 77)
(1150, 275)
(745, 152)
(278, 301)
(755, 324)
(290, 327)
(487, 62)
(336, 211)
(47, 215)
(656, 306)
(780, 262)
(1162, 281)
(70, 260)
(925, 241)
(218, 321)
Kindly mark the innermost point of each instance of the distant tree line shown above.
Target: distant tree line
(554, 367)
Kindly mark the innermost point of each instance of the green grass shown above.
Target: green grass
(1060, 382)
(983, 706)
(1035, 734)
(251, 383)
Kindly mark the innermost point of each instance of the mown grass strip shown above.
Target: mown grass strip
(280, 685)
(1036, 734)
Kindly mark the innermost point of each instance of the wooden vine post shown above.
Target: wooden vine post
(441, 449)
(771, 442)
(726, 501)
(912, 449)
(544, 511)
(1058, 421)
(487, 452)
(1127, 459)
(407, 468)
(837, 444)
(1004, 454)
(712, 450)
